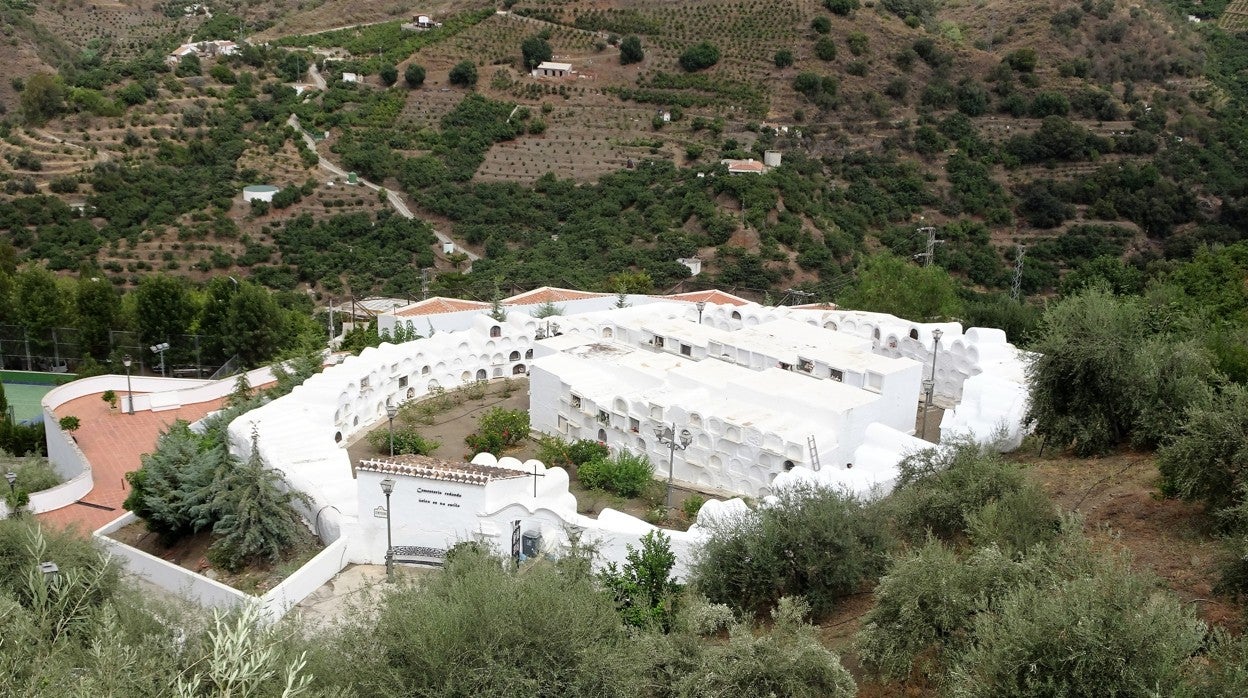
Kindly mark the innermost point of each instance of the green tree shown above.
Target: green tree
(821, 24)
(253, 326)
(43, 98)
(414, 75)
(98, 305)
(700, 56)
(169, 483)
(631, 50)
(1209, 458)
(254, 513)
(841, 7)
(464, 74)
(783, 58)
(389, 74)
(189, 66)
(535, 49)
(645, 591)
(163, 309)
(214, 314)
(825, 49)
(40, 306)
(1109, 634)
(890, 284)
(817, 543)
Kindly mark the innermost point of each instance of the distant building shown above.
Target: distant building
(260, 192)
(203, 49)
(547, 69)
(350, 77)
(750, 166)
(694, 264)
(420, 23)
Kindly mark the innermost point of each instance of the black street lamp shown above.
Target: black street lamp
(126, 361)
(667, 437)
(929, 385)
(391, 413)
(701, 305)
(387, 487)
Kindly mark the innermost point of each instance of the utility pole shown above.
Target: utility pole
(930, 251)
(1016, 285)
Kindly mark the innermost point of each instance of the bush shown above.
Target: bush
(1016, 521)
(692, 505)
(816, 543)
(825, 49)
(783, 58)
(69, 423)
(939, 489)
(414, 75)
(699, 57)
(389, 74)
(821, 24)
(1023, 60)
(631, 51)
(33, 474)
(498, 430)
(626, 475)
(1208, 460)
(787, 661)
(480, 629)
(407, 440)
(1109, 634)
(645, 591)
(841, 7)
(464, 74)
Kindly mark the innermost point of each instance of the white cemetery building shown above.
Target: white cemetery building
(756, 387)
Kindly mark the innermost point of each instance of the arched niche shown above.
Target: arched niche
(513, 356)
(481, 374)
(498, 372)
(496, 331)
(602, 435)
(528, 353)
(411, 393)
(424, 370)
(465, 376)
(434, 385)
(518, 370)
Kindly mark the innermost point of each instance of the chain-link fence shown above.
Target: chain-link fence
(60, 350)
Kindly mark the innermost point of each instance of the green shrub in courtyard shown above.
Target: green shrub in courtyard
(498, 430)
(406, 440)
(626, 475)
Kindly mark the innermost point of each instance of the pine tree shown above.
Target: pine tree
(255, 517)
(497, 311)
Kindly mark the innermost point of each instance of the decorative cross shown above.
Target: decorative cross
(536, 475)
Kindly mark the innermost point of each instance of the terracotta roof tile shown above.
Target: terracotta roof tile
(438, 305)
(550, 294)
(714, 295)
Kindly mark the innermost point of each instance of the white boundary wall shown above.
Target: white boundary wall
(213, 594)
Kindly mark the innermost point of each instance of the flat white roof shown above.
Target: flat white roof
(547, 65)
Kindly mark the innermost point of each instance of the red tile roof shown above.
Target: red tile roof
(745, 166)
(549, 294)
(712, 296)
(438, 305)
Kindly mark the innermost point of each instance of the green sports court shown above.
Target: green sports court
(24, 390)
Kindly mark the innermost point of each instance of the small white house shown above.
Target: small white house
(420, 23)
(694, 264)
(260, 192)
(350, 77)
(547, 69)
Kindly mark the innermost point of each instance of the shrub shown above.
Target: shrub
(857, 42)
(821, 24)
(841, 7)
(645, 591)
(1015, 521)
(389, 74)
(69, 423)
(414, 75)
(787, 661)
(692, 505)
(631, 51)
(626, 475)
(498, 430)
(699, 56)
(1108, 634)
(939, 489)
(825, 49)
(464, 74)
(1023, 60)
(811, 542)
(406, 440)
(481, 629)
(783, 58)
(1209, 459)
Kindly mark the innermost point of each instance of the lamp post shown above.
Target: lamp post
(126, 361)
(12, 478)
(160, 349)
(50, 572)
(387, 486)
(391, 413)
(667, 436)
(929, 385)
(701, 305)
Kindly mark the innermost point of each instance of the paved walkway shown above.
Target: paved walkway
(113, 443)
